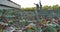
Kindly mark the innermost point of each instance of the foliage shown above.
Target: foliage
(46, 7)
(0, 30)
(56, 7)
(49, 29)
(28, 9)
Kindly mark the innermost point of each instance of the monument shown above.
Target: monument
(40, 5)
(37, 11)
(37, 6)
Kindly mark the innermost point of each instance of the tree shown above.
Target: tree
(54, 7)
(28, 9)
(44, 7)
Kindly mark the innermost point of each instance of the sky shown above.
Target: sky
(30, 3)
